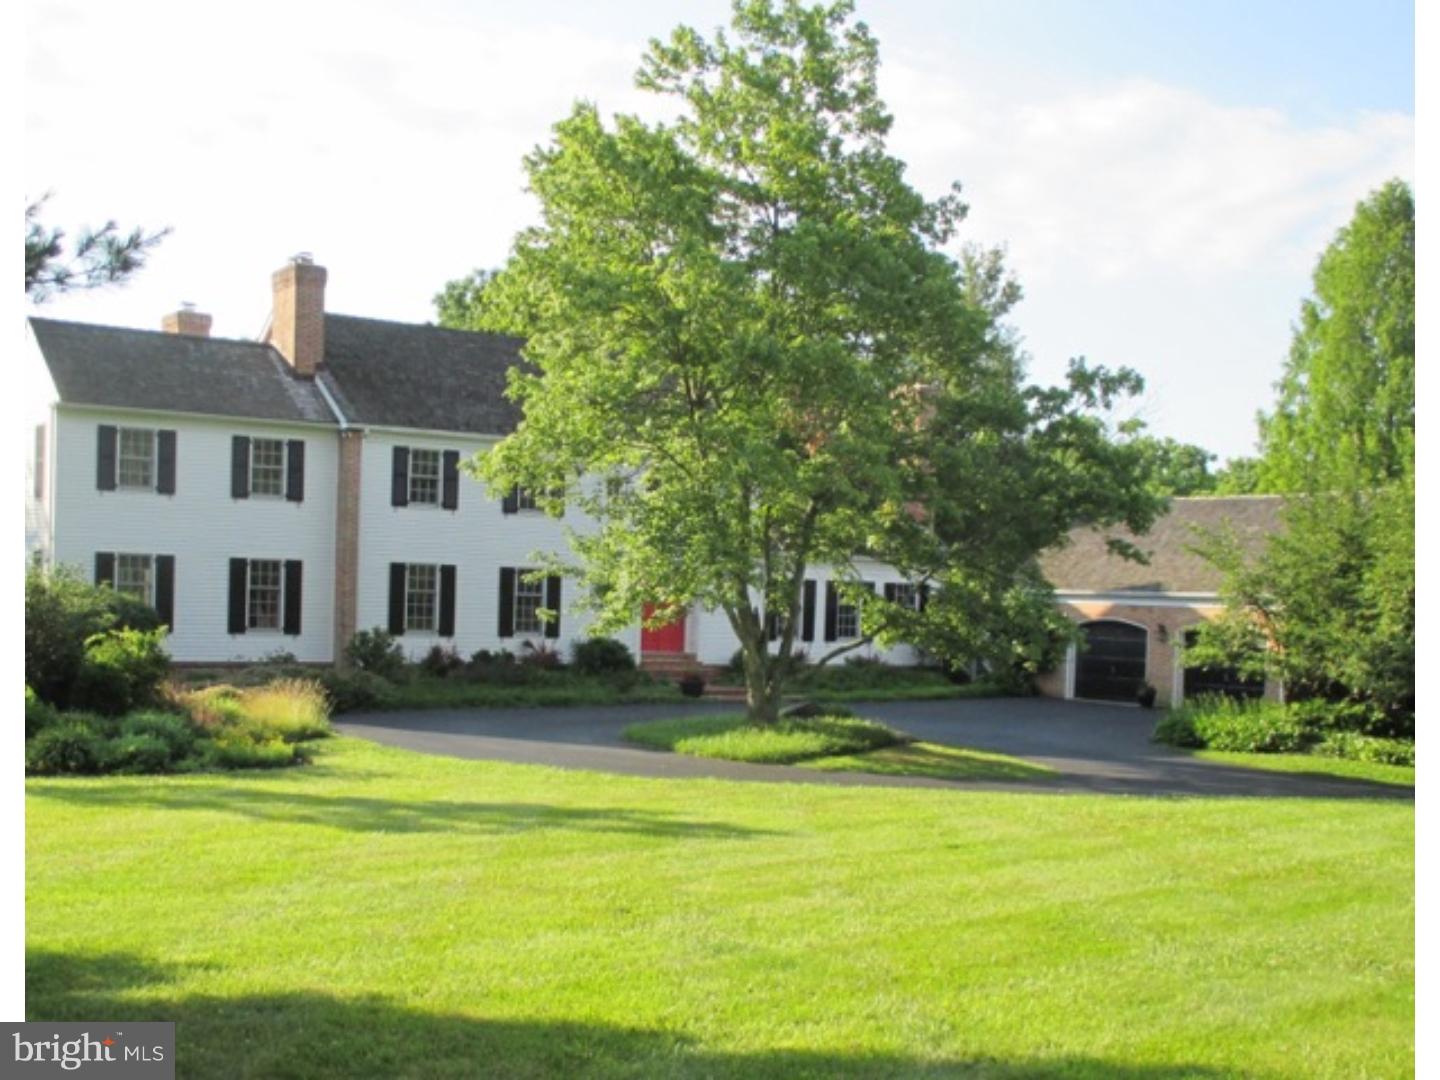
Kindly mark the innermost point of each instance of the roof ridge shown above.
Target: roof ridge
(167, 334)
(424, 326)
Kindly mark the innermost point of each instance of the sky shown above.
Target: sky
(1162, 174)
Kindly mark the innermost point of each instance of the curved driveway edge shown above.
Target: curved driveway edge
(1099, 749)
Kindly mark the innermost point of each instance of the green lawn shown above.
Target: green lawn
(390, 914)
(1401, 775)
(829, 743)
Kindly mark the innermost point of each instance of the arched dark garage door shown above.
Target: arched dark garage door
(1110, 666)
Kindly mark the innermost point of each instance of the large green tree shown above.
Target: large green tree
(752, 356)
(1332, 598)
(103, 256)
(1346, 406)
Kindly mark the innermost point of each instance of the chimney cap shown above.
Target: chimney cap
(302, 258)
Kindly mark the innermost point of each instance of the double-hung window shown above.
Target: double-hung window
(264, 594)
(529, 599)
(267, 467)
(135, 458)
(904, 594)
(525, 499)
(847, 621)
(422, 586)
(135, 576)
(425, 476)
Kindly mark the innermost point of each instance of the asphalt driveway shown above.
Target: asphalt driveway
(1093, 748)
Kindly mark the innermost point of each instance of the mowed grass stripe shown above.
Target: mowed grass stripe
(384, 913)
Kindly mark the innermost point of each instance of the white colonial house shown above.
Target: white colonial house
(278, 495)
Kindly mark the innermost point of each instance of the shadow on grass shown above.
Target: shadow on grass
(316, 1035)
(357, 814)
(936, 761)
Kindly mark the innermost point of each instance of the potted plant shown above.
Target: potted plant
(1145, 696)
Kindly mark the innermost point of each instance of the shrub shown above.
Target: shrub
(209, 707)
(1176, 728)
(1356, 747)
(138, 754)
(601, 656)
(542, 656)
(692, 685)
(121, 669)
(441, 661)
(38, 714)
(354, 691)
(736, 666)
(377, 652)
(62, 613)
(174, 731)
(1222, 723)
(71, 746)
(292, 709)
(242, 748)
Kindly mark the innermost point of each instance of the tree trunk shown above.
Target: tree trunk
(763, 685)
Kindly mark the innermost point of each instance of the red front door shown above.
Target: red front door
(669, 638)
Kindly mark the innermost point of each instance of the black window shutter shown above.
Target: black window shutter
(772, 626)
(295, 470)
(511, 503)
(832, 603)
(165, 589)
(507, 601)
(165, 473)
(447, 601)
(105, 458)
(552, 601)
(807, 611)
(240, 467)
(890, 592)
(397, 598)
(450, 474)
(924, 595)
(104, 568)
(400, 477)
(293, 570)
(238, 570)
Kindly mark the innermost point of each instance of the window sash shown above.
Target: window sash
(135, 458)
(525, 499)
(529, 599)
(847, 621)
(135, 576)
(906, 595)
(424, 476)
(422, 585)
(263, 602)
(267, 466)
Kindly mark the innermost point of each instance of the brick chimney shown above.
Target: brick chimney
(297, 317)
(186, 321)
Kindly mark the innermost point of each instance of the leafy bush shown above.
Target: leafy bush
(542, 656)
(62, 613)
(1356, 747)
(601, 656)
(292, 709)
(38, 714)
(174, 731)
(441, 661)
(121, 670)
(71, 746)
(692, 685)
(1177, 728)
(377, 652)
(354, 691)
(139, 754)
(244, 748)
(1260, 727)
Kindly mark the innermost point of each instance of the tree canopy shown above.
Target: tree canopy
(751, 355)
(1346, 405)
(103, 256)
(1332, 599)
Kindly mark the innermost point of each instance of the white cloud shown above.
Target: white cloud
(1149, 224)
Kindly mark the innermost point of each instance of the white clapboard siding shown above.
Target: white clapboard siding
(202, 526)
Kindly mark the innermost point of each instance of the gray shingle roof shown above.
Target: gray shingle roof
(1086, 565)
(148, 369)
(416, 376)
